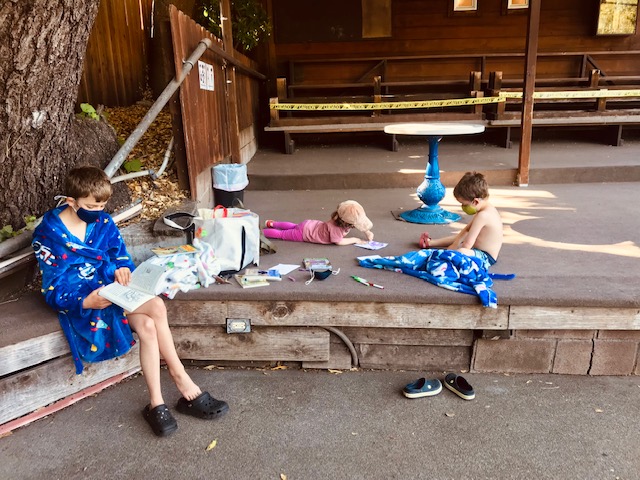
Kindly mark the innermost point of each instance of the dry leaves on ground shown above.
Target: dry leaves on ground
(162, 193)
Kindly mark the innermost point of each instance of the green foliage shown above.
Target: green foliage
(7, 231)
(89, 111)
(249, 21)
(133, 165)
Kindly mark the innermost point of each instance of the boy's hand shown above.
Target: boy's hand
(93, 301)
(369, 236)
(123, 276)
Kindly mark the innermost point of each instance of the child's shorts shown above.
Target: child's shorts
(487, 260)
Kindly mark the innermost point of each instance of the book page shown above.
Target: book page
(128, 298)
(372, 245)
(147, 277)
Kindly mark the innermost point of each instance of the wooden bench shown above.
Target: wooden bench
(36, 369)
(300, 121)
(611, 113)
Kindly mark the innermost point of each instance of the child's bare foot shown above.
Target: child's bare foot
(186, 386)
(424, 240)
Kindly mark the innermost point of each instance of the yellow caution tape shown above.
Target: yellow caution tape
(454, 102)
(603, 93)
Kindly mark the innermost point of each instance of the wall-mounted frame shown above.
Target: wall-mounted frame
(617, 17)
(376, 18)
(463, 7)
(510, 7)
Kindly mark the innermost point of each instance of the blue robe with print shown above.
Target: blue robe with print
(449, 269)
(71, 269)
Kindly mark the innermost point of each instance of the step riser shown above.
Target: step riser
(507, 177)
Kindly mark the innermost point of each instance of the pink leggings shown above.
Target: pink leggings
(286, 231)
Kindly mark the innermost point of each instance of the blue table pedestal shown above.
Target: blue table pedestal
(431, 192)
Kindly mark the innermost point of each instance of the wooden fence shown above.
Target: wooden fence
(116, 61)
(216, 121)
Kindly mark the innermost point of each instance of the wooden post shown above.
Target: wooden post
(377, 93)
(475, 87)
(495, 85)
(227, 39)
(594, 82)
(524, 159)
(281, 88)
(271, 56)
(274, 115)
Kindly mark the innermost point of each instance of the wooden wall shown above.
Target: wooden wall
(116, 61)
(205, 116)
(424, 27)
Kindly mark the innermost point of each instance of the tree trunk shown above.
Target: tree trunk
(42, 50)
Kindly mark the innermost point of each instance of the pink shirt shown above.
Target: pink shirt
(316, 231)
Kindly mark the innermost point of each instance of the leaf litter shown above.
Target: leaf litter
(159, 194)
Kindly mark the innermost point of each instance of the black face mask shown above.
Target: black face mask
(88, 216)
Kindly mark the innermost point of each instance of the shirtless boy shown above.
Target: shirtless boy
(483, 235)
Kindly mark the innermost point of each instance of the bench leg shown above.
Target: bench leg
(614, 135)
(507, 140)
(289, 144)
(394, 143)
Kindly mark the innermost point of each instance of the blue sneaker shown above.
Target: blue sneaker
(422, 388)
(459, 386)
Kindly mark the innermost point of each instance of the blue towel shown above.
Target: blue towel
(71, 270)
(448, 269)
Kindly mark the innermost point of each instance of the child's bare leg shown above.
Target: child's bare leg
(152, 316)
(442, 242)
(149, 355)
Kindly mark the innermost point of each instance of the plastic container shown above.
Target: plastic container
(229, 182)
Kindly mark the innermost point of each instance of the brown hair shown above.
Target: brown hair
(340, 222)
(471, 185)
(88, 180)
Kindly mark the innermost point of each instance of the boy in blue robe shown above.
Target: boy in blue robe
(80, 250)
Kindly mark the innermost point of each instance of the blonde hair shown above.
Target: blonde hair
(88, 180)
(471, 185)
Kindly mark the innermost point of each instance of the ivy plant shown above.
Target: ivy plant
(250, 22)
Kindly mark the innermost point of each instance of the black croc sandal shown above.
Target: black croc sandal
(459, 386)
(203, 406)
(160, 420)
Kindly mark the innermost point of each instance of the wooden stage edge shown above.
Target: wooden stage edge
(401, 315)
(38, 373)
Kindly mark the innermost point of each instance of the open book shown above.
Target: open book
(146, 282)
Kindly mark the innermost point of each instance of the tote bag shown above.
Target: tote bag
(233, 233)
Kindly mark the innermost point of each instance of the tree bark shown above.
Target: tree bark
(42, 50)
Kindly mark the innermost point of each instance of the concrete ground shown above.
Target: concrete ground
(310, 425)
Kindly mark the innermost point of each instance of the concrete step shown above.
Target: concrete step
(364, 161)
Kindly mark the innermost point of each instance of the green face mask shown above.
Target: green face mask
(469, 209)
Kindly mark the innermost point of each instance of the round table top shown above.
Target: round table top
(433, 128)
